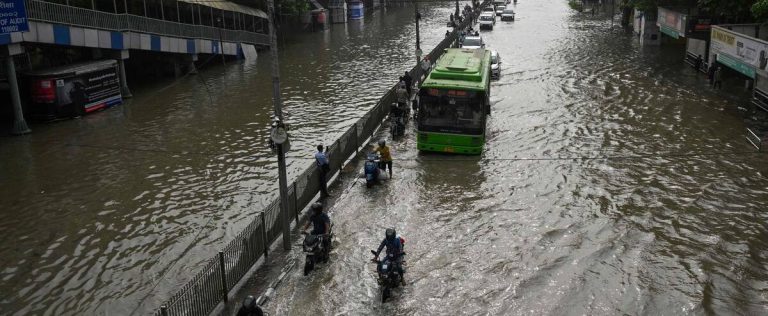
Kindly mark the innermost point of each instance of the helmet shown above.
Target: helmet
(390, 234)
(382, 142)
(250, 307)
(317, 207)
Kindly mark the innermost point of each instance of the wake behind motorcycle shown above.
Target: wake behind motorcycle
(317, 248)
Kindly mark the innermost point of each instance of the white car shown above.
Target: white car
(499, 10)
(495, 65)
(487, 20)
(489, 9)
(473, 42)
(508, 15)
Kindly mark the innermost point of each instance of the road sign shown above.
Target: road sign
(13, 17)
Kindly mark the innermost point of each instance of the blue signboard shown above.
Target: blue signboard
(13, 16)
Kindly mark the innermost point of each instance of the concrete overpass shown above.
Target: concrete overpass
(181, 27)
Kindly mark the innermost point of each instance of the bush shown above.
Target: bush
(576, 5)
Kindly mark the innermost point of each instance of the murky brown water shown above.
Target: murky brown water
(116, 210)
(543, 223)
(119, 209)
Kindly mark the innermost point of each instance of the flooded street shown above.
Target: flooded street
(613, 182)
(114, 212)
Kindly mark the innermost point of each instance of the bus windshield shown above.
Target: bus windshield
(441, 112)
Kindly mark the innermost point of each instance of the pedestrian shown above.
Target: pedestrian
(426, 65)
(323, 168)
(711, 73)
(447, 33)
(697, 64)
(402, 95)
(718, 78)
(451, 18)
(408, 83)
(386, 156)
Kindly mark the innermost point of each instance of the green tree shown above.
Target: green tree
(760, 10)
(739, 9)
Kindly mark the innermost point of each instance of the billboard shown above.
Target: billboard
(13, 17)
(91, 90)
(672, 23)
(740, 52)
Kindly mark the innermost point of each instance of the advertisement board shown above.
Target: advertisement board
(91, 90)
(739, 52)
(672, 23)
(13, 17)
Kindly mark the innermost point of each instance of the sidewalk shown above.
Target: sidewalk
(267, 271)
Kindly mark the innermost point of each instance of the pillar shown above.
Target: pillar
(19, 124)
(191, 64)
(121, 57)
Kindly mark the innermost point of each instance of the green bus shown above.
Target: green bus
(454, 103)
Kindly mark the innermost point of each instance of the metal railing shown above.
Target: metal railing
(210, 286)
(58, 13)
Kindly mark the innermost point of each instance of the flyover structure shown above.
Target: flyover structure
(183, 28)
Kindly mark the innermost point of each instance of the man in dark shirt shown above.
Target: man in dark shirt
(408, 83)
(321, 224)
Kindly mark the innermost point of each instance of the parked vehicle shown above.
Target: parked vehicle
(487, 21)
(73, 90)
(508, 14)
(317, 248)
(495, 65)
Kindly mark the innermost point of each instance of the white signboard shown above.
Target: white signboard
(672, 23)
(740, 52)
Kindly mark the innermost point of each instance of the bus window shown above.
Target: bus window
(450, 114)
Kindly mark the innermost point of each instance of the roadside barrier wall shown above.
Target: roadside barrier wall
(212, 284)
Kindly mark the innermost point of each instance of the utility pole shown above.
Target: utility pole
(418, 39)
(457, 11)
(279, 124)
(221, 42)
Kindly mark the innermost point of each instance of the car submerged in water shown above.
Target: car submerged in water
(495, 65)
(487, 21)
(508, 14)
(473, 42)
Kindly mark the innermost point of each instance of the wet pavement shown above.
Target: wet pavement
(613, 181)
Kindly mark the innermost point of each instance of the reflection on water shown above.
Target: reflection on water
(116, 210)
(614, 182)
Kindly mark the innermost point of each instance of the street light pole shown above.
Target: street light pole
(282, 178)
(457, 11)
(418, 39)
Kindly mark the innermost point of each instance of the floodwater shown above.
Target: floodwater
(613, 182)
(114, 212)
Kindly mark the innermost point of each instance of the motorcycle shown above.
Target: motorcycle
(389, 277)
(317, 249)
(371, 168)
(397, 121)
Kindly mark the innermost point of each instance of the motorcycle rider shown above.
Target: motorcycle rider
(386, 156)
(321, 224)
(394, 251)
(250, 308)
